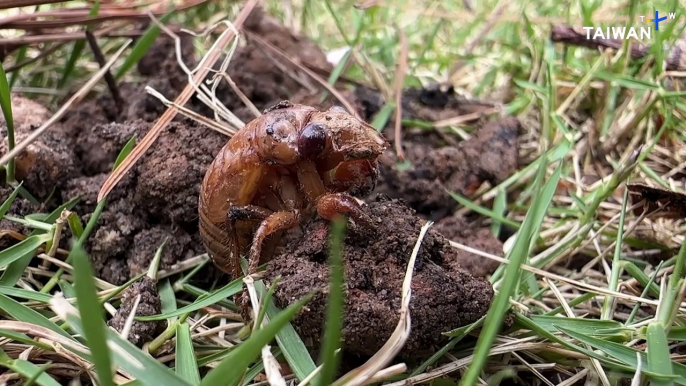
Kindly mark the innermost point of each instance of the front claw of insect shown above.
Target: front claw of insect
(333, 205)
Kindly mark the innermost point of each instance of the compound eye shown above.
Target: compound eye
(312, 140)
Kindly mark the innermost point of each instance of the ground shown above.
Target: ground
(488, 162)
(158, 200)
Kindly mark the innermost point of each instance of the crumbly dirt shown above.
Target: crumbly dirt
(49, 160)
(459, 229)
(156, 200)
(490, 155)
(444, 296)
(149, 304)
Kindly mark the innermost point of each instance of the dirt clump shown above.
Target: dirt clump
(148, 241)
(460, 230)
(149, 304)
(156, 200)
(169, 176)
(49, 160)
(444, 296)
(432, 103)
(491, 155)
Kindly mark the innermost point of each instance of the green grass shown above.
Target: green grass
(579, 233)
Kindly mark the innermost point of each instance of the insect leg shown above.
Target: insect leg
(276, 222)
(233, 233)
(359, 175)
(333, 205)
(242, 213)
(248, 213)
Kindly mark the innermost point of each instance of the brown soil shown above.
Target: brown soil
(459, 229)
(155, 201)
(149, 304)
(490, 155)
(444, 296)
(48, 161)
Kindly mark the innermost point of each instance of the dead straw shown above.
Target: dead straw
(171, 112)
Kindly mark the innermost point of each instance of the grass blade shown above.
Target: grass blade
(24, 294)
(580, 325)
(125, 151)
(92, 315)
(230, 370)
(294, 350)
(23, 249)
(6, 106)
(16, 269)
(626, 360)
(130, 358)
(627, 355)
(335, 303)
(142, 46)
(20, 312)
(186, 364)
(658, 353)
(518, 255)
(228, 290)
(496, 217)
(23, 338)
(8, 202)
(28, 370)
(381, 118)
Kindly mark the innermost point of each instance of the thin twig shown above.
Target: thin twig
(100, 58)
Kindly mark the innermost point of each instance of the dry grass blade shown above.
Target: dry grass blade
(361, 375)
(398, 86)
(168, 115)
(214, 125)
(310, 73)
(110, 31)
(208, 97)
(549, 275)
(63, 110)
(44, 333)
(70, 17)
(27, 3)
(271, 365)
